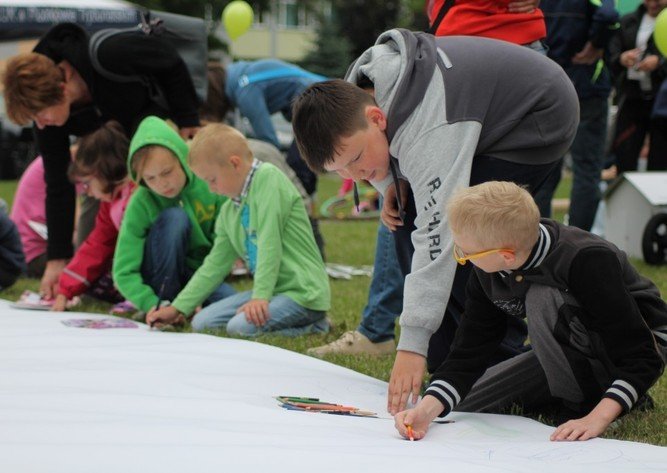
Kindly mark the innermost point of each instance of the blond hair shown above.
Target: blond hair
(140, 158)
(32, 82)
(496, 215)
(218, 142)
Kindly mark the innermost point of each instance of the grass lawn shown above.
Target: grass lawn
(353, 242)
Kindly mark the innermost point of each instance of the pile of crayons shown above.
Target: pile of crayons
(310, 404)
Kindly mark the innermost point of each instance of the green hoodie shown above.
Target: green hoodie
(144, 208)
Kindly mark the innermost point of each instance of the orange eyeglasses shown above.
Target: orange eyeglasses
(461, 258)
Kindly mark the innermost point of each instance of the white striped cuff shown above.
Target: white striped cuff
(445, 393)
(624, 393)
(76, 276)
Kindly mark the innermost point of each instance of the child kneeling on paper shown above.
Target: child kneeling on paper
(168, 227)
(265, 223)
(99, 167)
(598, 329)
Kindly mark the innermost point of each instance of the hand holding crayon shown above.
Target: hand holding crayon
(413, 423)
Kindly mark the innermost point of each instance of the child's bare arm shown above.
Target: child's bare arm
(593, 425)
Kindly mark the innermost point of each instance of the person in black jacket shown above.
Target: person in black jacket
(58, 89)
(638, 69)
(598, 329)
(578, 34)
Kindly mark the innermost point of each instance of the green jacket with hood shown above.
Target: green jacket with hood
(145, 206)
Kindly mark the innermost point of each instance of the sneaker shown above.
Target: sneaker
(354, 343)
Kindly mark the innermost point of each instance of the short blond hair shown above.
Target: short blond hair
(140, 158)
(217, 142)
(495, 215)
(32, 82)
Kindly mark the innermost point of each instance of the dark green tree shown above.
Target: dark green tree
(332, 53)
(362, 21)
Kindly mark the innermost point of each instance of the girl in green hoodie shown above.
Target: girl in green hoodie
(168, 227)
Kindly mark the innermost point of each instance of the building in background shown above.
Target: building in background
(286, 31)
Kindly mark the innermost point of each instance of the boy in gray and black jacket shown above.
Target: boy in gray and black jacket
(451, 111)
(598, 329)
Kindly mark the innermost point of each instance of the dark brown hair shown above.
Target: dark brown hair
(323, 114)
(103, 154)
(32, 82)
(216, 106)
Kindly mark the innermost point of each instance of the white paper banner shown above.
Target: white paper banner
(125, 400)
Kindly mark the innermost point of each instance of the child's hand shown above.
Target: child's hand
(418, 418)
(256, 311)
(390, 214)
(580, 429)
(60, 303)
(48, 286)
(593, 425)
(166, 315)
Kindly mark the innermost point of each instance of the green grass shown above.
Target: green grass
(353, 242)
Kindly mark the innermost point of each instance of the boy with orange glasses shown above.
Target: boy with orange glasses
(598, 329)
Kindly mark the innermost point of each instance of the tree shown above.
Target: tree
(332, 53)
(362, 21)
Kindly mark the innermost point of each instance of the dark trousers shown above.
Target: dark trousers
(484, 169)
(587, 152)
(307, 177)
(564, 365)
(587, 161)
(632, 125)
(657, 154)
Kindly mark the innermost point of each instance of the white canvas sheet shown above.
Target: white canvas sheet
(134, 400)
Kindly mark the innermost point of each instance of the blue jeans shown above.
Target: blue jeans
(385, 296)
(164, 266)
(286, 317)
(587, 161)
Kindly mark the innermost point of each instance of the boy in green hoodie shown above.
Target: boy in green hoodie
(266, 224)
(168, 227)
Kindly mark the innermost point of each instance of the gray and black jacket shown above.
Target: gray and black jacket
(448, 100)
(622, 312)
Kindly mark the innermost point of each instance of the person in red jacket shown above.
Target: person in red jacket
(517, 21)
(100, 167)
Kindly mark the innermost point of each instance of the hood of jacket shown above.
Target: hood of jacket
(400, 64)
(155, 131)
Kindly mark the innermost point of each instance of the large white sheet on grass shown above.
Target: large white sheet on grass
(134, 400)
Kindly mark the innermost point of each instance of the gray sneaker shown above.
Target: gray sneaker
(354, 343)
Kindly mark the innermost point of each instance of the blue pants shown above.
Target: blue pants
(164, 266)
(385, 297)
(588, 161)
(286, 317)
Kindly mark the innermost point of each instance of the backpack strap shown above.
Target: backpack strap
(154, 91)
(441, 15)
(145, 27)
(247, 79)
(94, 43)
